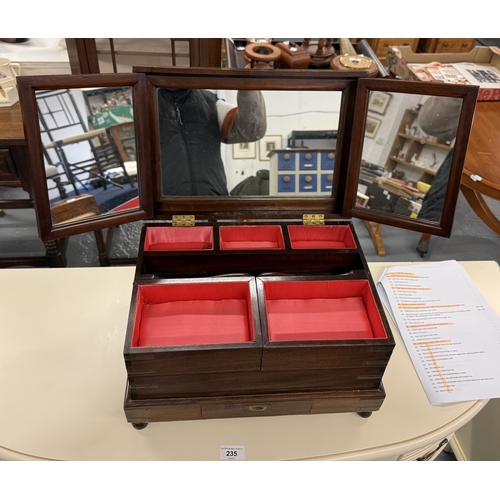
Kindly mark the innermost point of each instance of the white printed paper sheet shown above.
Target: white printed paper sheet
(451, 333)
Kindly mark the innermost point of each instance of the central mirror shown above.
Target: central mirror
(247, 142)
(231, 141)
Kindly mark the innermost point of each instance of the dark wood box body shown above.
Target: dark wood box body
(143, 411)
(263, 376)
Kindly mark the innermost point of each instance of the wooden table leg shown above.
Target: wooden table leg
(375, 231)
(101, 248)
(423, 244)
(480, 207)
(56, 252)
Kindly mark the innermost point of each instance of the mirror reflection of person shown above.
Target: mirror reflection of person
(439, 117)
(193, 123)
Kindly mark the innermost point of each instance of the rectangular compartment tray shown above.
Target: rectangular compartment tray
(188, 325)
(226, 249)
(322, 322)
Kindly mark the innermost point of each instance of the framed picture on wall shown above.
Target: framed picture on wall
(268, 144)
(372, 126)
(244, 150)
(378, 102)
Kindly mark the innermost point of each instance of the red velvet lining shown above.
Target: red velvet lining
(189, 314)
(133, 203)
(321, 237)
(179, 238)
(322, 310)
(251, 238)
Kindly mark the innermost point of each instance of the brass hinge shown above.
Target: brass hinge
(313, 219)
(182, 220)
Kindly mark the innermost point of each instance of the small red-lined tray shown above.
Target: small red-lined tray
(194, 313)
(265, 237)
(312, 237)
(166, 238)
(211, 250)
(251, 238)
(319, 310)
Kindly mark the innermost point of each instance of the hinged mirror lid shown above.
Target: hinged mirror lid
(87, 154)
(232, 135)
(407, 153)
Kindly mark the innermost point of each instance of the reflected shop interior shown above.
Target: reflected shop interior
(407, 149)
(89, 148)
(303, 121)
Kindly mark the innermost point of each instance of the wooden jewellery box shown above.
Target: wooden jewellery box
(251, 305)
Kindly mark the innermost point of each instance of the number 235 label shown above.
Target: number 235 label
(232, 452)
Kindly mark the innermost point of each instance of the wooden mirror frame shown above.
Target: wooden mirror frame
(468, 94)
(145, 81)
(250, 79)
(28, 86)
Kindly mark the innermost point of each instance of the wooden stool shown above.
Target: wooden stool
(375, 231)
(74, 208)
(78, 208)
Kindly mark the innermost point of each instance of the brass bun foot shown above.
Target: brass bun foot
(364, 414)
(139, 427)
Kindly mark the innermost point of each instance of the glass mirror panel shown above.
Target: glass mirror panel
(407, 153)
(89, 149)
(247, 143)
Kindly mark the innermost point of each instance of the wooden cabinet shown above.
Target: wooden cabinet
(13, 155)
(430, 45)
(118, 55)
(14, 172)
(301, 172)
(8, 175)
(381, 45)
(451, 45)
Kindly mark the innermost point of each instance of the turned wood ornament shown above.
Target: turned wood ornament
(349, 60)
(321, 53)
(293, 56)
(261, 55)
(250, 41)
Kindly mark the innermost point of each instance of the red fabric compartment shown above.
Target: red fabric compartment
(321, 310)
(194, 313)
(179, 238)
(321, 237)
(133, 203)
(251, 238)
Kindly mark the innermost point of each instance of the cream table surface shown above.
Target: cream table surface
(62, 383)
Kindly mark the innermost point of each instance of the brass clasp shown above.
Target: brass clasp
(313, 219)
(182, 220)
